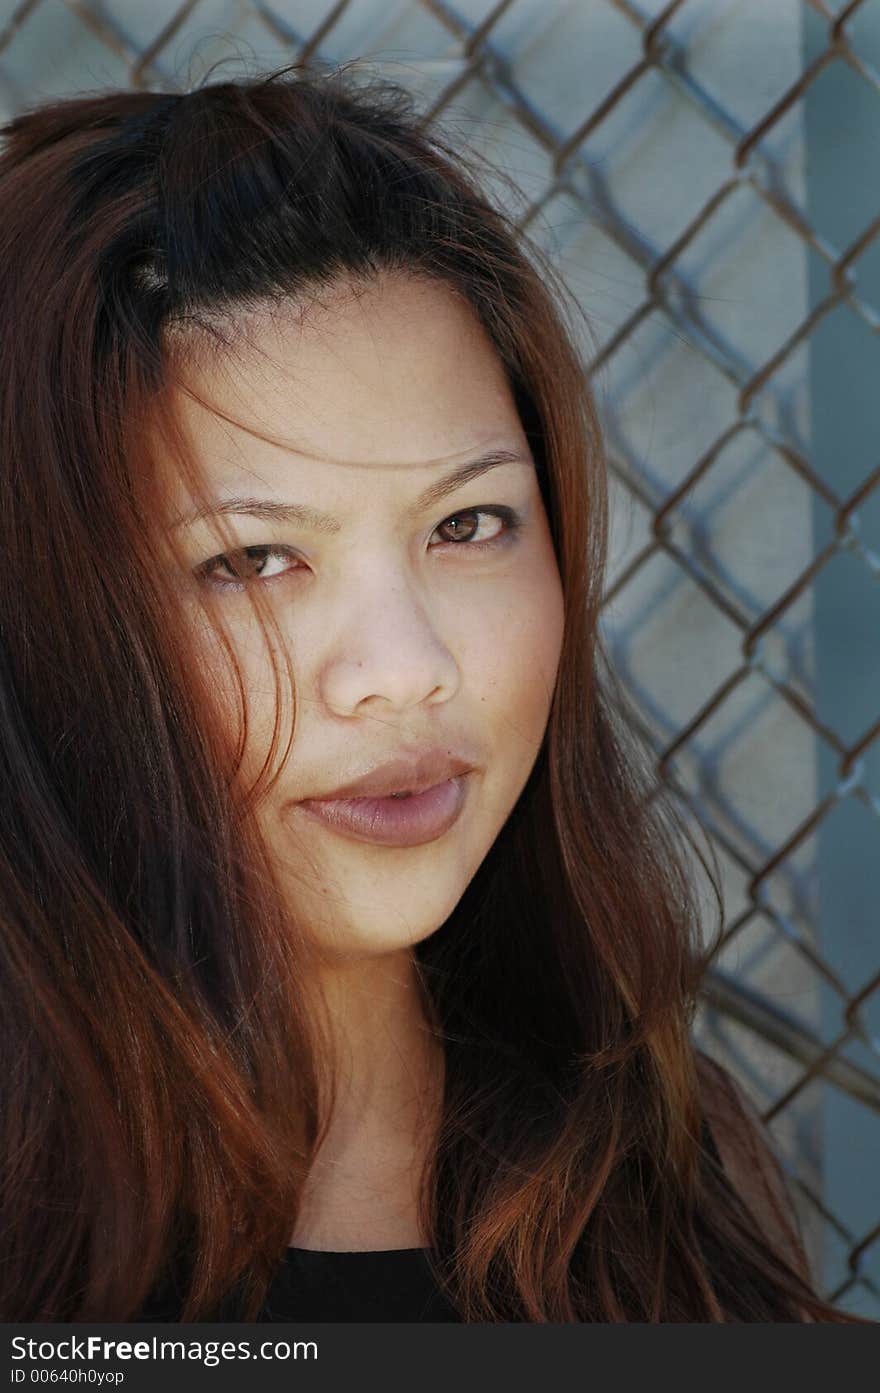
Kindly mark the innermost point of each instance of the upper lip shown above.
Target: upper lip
(410, 772)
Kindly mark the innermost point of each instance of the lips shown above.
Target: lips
(411, 771)
(393, 821)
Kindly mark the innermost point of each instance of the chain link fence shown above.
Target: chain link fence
(700, 172)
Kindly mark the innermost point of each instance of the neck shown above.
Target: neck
(362, 1189)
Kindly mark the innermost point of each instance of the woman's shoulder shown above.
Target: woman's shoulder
(749, 1159)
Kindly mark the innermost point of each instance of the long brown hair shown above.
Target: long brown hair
(165, 1082)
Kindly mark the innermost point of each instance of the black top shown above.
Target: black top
(391, 1285)
(394, 1285)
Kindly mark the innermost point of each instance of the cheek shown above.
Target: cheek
(510, 653)
(240, 684)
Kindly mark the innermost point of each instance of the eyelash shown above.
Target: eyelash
(205, 571)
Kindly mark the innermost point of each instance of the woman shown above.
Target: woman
(299, 470)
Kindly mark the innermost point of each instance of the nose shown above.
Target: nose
(388, 652)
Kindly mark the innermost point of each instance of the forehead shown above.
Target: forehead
(388, 374)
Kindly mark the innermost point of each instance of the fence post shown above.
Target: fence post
(842, 127)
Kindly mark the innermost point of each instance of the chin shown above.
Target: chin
(390, 926)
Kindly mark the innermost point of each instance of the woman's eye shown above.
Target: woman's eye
(247, 565)
(467, 536)
(256, 563)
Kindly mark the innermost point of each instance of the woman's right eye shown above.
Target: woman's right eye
(247, 565)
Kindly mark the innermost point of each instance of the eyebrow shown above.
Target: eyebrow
(272, 510)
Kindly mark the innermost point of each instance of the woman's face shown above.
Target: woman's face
(404, 631)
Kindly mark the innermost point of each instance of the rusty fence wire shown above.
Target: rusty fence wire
(700, 173)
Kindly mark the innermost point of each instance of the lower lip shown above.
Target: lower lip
(423, 817)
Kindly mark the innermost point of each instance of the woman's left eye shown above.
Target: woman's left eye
(508, 516)
(244, 563)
